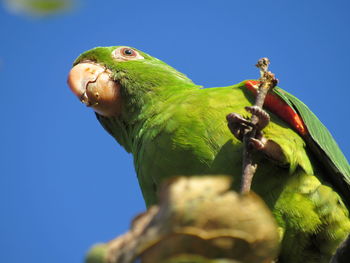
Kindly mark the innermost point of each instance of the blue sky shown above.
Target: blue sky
(64, 183)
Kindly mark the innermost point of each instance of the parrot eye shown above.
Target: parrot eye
(125, 54)
(128, 52)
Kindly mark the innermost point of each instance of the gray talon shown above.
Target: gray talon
(258, 144)
(238, 125)
(264, 117)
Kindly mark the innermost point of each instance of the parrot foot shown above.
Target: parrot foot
(258, 144)
(268, 147)
(264, 117)
(239, 126)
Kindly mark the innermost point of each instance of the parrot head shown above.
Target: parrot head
(108, 79)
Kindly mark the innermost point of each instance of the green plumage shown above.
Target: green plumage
(323, 145)
(174, 127)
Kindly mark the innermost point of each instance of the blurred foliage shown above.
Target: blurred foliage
(38, 8)
(198, 220)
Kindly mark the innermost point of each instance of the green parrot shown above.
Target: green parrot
(175, 127)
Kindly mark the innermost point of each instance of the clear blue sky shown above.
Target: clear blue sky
(64, 183)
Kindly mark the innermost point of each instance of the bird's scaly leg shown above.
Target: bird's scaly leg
(239, 126)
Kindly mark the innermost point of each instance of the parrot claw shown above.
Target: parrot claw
(268, 147)
(238, 125)
(264, 117)
(258, 144)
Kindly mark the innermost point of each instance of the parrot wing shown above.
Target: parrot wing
(322, 143)
(318, 138)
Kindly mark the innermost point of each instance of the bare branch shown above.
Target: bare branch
(267, 82)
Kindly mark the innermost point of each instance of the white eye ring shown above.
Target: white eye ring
(126, 54)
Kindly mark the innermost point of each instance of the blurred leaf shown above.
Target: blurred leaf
(198, 220)
(38, 8)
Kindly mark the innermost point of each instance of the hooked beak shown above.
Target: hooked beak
(93, 85)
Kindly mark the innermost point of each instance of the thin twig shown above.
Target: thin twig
(267, 82)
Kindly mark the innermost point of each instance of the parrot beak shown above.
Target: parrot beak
(93, 85)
